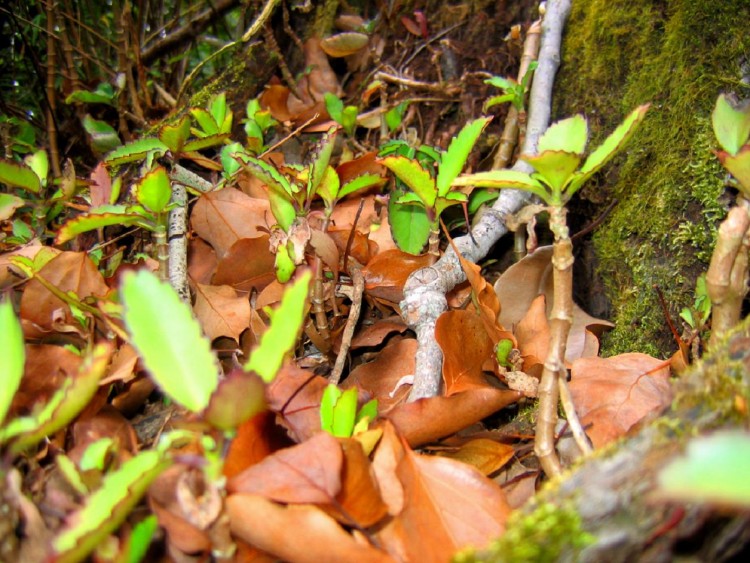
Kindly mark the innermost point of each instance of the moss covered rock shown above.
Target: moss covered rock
(670, 189)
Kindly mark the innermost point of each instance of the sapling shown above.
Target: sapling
(727, 275)
(556, 178)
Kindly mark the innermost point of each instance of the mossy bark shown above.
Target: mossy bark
(670, 189)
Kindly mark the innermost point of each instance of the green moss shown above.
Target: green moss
(541, 536)
(678, 55)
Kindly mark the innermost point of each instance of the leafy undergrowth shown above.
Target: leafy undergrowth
(144, 426)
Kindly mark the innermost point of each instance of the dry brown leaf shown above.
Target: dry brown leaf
(611, 395)
(486, 455)
(447, 505)
(309, 472)
(427, 420)
(223, 217)
(45, 369)
(298, 392)
(68, 271)
(344, 44)
(302, 534)
(255, 439)
(386, 274)
(533, 336)
(248, 265)
(463, 338)
(376, 333)
(221, 311)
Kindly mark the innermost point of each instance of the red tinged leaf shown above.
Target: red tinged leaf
(221, 311)
(298, 392)
(255, 440)
(380, 378)
(375, 334)
(614, 394)
(248, 265)
(238, 397)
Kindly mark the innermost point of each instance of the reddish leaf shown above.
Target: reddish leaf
(201, 261)
(375, 334)
(614, 394)
(221, 311)
(533, 336)
(255, 440)
(100, 188)
(248, 265)
(45, 369)
(466, 345)
(238, 397)
(274, 99)
(298, 392)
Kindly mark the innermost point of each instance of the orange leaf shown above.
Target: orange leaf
(221, 311)
(486, 455)
(466, 345)
(613, 394)
(386, 274)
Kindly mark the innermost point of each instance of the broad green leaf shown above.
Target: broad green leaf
(137, 150)
(496, 100)
(329, 187)
(19, 176)
(107, 507)
(501, 82)
(555, 167)
(176, 135)
(39, 163)
(169, 340)
(8, 205)
(454, 159)
(12, 358)
(93, 221)
(360, 183)
(738, 166)
(63, 407)
(104, 137)
(218, 108)
(104, 94)
(504, 179)
(349, 119)
(601, 155)
(714, 470)
(731, 125)
(410, 226)
(368, 411)
(284, 265)
(154, 190)
(568, 135)
(481, 197)
(95, 456)
(334, 106)
(414, 176)
(344, 414)
(265, 172)
(331, 395)
(71, 474)
(140, 538)
(321, 156)
(206, 121)
(281, 207)
(281, 336)
(395, 116)
(205, 142)
(229, 163)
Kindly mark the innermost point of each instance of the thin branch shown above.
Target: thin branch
(425, 290)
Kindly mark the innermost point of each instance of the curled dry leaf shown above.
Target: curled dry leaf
(248, 265)
(486, 455)
(221, 311)
(463, 337)
(386, 274)
(611, 395)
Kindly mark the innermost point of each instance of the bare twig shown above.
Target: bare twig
(358, 289)
(424, 293)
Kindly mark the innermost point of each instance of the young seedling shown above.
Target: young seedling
(727, 275)
(338, 412)
(558, 175)
(435, 194)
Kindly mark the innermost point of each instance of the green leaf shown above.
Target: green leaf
(219, 111)
(556, 167)
(8, 205)
(568, 135)
(334, 106)
(284, 265)
(714, 470)
(140, 538)
(329, 187)
(501, 82)
(206, 121)
(265, 172)
(504, 179)
(281, 336)
(338, 411)
(331, 395)
(414, 176)
(454, 159)
(496, 100)
(12, 358)
(175, 136)
(228, 161)
(360, 183)
(481, 197)
(282, 208)
(95, 456)
(410, 226)
(63, 407)
(19, 176)
(104, 94)
(137, 150)
(738, 166)
(104, 137)
(39, 163)
(349, 119)
(169, 340)
(93, 221)
(616, 140)
(154, 190)
(319, 161)
(395, 116)
(368, 411)
(205, 142)
(731, 125)
(108, 507)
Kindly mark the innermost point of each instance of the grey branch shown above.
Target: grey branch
(424, 293)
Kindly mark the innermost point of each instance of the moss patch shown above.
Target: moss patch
(678, 55)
